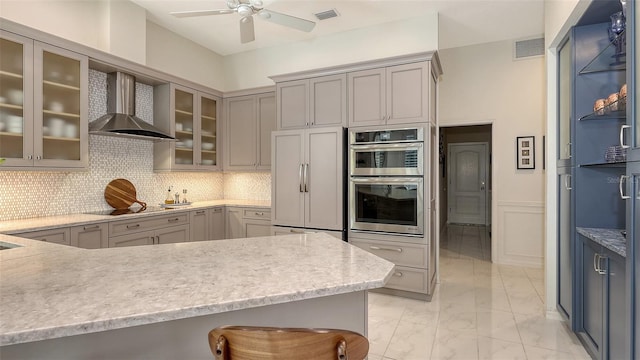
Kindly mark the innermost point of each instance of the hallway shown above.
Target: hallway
(479, 311)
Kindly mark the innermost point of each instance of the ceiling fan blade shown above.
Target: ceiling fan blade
(182, 14)
(246, 30)
(287, 20)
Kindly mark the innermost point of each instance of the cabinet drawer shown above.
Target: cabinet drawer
(58, 236)
(263, 214)
(408, 279)
(158, 222)
(399, 253)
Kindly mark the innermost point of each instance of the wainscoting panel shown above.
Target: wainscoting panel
(520, 238)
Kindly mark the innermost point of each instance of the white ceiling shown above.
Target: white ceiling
(462, 22)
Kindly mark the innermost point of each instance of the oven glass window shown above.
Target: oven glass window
(386, 159)
(386, 136)
(387, 204)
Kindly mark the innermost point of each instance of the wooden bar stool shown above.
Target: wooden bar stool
(268, 343)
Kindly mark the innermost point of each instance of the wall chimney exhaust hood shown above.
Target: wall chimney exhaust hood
(121, 106)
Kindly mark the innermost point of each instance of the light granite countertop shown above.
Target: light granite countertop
(50, 291)
(611, 239)
(51, 222)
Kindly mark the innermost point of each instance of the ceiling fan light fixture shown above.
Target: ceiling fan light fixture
(245, 10)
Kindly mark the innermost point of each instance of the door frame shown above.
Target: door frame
(487, 200)
(494, 189)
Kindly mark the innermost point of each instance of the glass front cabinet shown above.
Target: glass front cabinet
(43, 105)
(192, 118)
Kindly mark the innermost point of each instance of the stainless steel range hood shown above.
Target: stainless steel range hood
(121, 106)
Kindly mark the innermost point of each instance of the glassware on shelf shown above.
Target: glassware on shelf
(617, 36)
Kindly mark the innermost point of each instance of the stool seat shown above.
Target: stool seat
(270, 343)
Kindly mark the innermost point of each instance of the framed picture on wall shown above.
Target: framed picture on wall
(526, 152)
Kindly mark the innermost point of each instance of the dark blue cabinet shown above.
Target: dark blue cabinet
(604, 320)
(565, 249)
(591, 323)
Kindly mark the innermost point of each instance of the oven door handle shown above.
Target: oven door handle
(392, 147)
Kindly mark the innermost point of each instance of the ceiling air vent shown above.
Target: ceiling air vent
(328, 14)
(528, 48)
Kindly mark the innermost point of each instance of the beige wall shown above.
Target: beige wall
(252, 68)
(483, 84)
(120, 28)
(79, 21)
(176, 55)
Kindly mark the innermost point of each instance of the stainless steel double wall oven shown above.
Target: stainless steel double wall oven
(386, 192)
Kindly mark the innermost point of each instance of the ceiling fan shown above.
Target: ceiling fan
(248, 8)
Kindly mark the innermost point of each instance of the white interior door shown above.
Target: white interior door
(467, 175)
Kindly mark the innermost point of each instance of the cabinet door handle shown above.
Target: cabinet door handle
(91, 227)
(567, 150)
(622, 144)
(623, 179)
(200, 212)
(300, 178)
(398, 274)
(217, 210)
(258, 213)
(133, 226)
(296, 231)
(385, 248)
(567, 182)
(595, 263)
(601, 271)
(153, 239)
(173, 220)
(306, 179)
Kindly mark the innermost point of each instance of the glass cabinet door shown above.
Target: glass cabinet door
(16, 96)
(564, 102)
(208, 131)
(184, 124)
(634, 73)
(60, 103)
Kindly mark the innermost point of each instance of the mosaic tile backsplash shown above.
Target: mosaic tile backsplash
(27, 194)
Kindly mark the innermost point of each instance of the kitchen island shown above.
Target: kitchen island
(160, 301)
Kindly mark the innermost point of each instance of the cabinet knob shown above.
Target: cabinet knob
(398, 274)
(38, 157)
(30, 157)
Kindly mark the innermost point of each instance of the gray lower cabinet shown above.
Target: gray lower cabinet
(247, 222)
(94, 236)
(207, 224)
(58, 236)
(604, 320)
(152, 230)
(170, 235)
(411, 273)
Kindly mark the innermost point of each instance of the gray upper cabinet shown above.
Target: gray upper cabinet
(319, 101)
(249, 121)
(192, 117)
(392, 95)
(93, 236)
(44, 101)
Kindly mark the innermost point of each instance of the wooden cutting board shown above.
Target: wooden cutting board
(120, 194)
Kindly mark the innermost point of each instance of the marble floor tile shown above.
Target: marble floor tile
(380, 333)
(499, 325)
(479, 310)
(546, 354)
(494, 349)
(455, 344)
(538, 331)
(411, 342)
